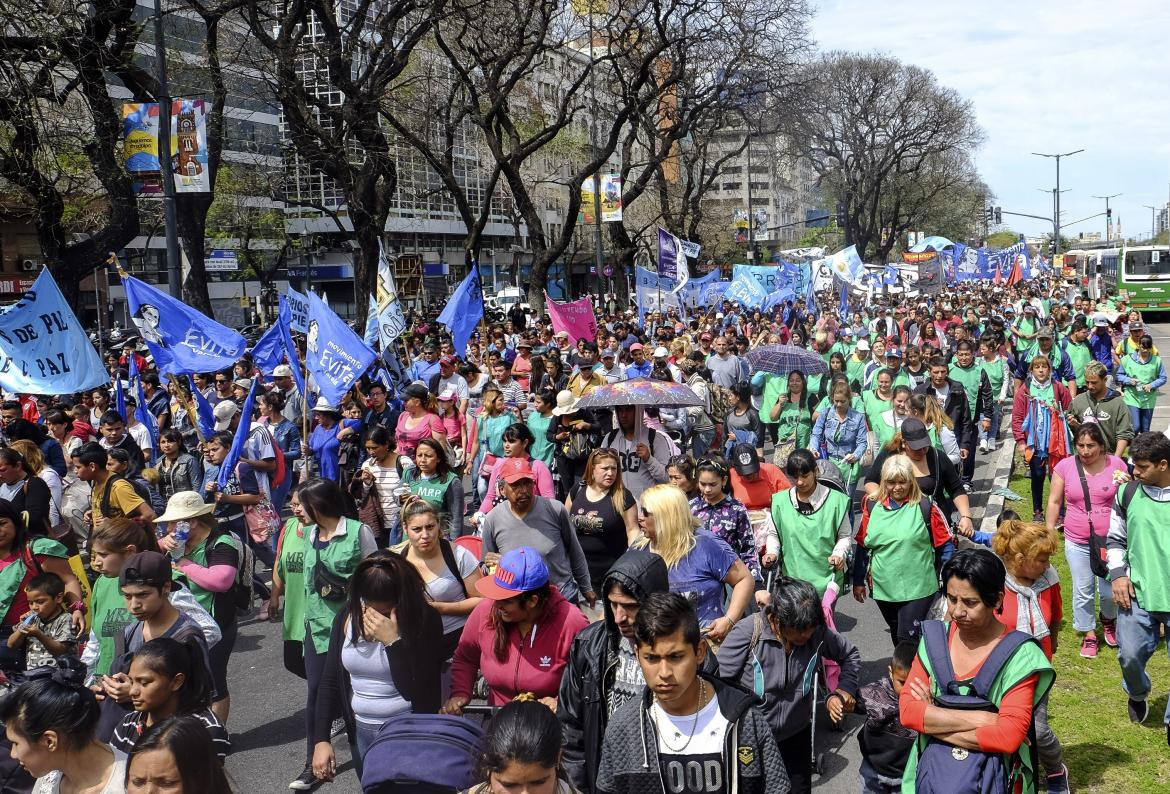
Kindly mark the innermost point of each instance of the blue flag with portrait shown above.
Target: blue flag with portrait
(335, 356)
(43, 348)
(181, 340)
(242, 432)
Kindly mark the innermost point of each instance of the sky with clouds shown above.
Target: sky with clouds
(1044, 76)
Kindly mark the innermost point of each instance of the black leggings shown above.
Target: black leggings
(1037, 473)
(905, 617)
(314, 667)
(796, 751)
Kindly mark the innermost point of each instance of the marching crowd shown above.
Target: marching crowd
(628, 547)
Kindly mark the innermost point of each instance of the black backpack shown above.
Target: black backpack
(944, 768)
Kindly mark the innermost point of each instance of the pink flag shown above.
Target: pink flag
(575, 318)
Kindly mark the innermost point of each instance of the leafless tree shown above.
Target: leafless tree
(886, 140)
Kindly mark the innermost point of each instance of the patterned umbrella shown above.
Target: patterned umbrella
(782, 359)
(640, 391)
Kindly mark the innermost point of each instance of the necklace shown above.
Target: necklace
(678, 734)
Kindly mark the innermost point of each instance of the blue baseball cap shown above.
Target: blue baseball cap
(893, 352)
(519, 570)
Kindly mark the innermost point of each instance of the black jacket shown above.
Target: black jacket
(415, 667)
(582, 704)
(956, 407)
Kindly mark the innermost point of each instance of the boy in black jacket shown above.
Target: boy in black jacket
(885, 742)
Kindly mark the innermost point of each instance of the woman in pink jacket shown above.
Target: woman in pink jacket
(519, 636)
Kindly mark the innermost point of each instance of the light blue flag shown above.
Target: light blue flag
(464, 310)
(847, 265)
(141, 411)
(391, 321)
(713, 292)
(242, 432)
(298, 306)
(268, 352)
(777, 298)
(284, 321)
(890, 276)
(810, 291)
(843, 309)
(43, 348)
(119, 397)
(370, 337)
(204, 413)
(747, 291)
(334, 354)
(182, 340)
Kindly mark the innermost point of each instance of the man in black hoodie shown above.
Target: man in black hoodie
(688, 733)
(603, 671)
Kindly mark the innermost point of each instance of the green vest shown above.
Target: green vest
(198, 555)
(1028, 660)
(814, 383)
(794, 421)
(970, 377)
(901, 555)
(341, 557)
(774, 386)
(109, 617)
(1148, 532)
(855, 370)
(432, 491)
(13, 576)
(995, 375)
(1142, 372)
(883, 431)
(291, 567)
(807, 541)
(542, 448)
(1079, 354)
(874, 407)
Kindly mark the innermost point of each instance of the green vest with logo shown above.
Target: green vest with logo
(970, 377)
(110, 616)
(1143, 372)
(1079, 354)
(341, 557)
(901, 555)
(291, 567)
(433, 491)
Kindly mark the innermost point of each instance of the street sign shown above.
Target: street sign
(221, 261)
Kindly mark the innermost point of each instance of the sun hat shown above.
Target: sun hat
(322, 406)
(519, 570)
(566, 403)
(184, 506)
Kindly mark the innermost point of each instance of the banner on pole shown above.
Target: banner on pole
(577, 318)
(298, 307)
(611, 198)
(140, 131)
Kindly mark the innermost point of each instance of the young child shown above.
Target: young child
(885, 742)
(47, 630)
(1032, 604)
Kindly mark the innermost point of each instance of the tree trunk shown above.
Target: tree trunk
(191, 209)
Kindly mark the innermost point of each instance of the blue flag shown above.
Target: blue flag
(810, 293)
(285, 322)
(141, 411)
(242, 432)
(843, 309)
(182, 340)
(119, 398)
(747, 291)
(268, 352)
(890, 276)
(43, 348)
(204, 413)
(465, 309)
(334, 354)
(370, 337)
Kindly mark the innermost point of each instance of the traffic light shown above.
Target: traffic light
(989, 214)
(998, 215)
(1108, 214)
(840, 215)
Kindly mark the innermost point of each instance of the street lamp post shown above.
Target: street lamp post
(174, 287)
(1153, 222)
(1108, 216)
(1056, 209)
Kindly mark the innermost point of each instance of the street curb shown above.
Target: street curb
(1005, 458)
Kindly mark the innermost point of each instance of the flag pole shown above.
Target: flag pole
(186, 394)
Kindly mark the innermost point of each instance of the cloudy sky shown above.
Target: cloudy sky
(1044, 76)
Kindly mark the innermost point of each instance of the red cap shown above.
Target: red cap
(636, 346)
(449, 360)
(515, 469)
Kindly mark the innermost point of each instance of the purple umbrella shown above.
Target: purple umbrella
(782, 359)
(641, 391)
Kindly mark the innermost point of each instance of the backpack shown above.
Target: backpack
(722, 401)
(243, 589)
(434, 750)
(942, 767)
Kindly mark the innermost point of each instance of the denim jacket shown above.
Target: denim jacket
(288, 438)
(839, 437)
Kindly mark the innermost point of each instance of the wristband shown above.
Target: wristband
(77, 606)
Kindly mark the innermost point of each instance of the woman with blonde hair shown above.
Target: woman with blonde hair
(36, 463)
(603, 513)
(680, 348)
(698, 563)
(902, 541)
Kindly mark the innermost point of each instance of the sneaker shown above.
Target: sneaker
(983, 445)
(307, 780)
(1058, 783)
(1110, 631)
(1138, 710)
(1038, 516)
(1089, 646)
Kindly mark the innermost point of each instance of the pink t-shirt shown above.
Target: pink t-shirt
(408, 437)
(1102, 489)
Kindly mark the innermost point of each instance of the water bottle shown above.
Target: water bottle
(181, 533)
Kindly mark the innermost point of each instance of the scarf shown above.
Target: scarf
(1029, 616)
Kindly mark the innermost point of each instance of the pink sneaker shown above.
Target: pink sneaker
(1110, 631)
(1089, 646)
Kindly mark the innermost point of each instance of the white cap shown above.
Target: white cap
(224, 411)
(863, 344)
(282, 371)
(661, 352)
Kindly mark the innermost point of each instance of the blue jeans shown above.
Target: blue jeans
(873, 783)
(1141, 418)
(1137, 634)
(364, 736)
(992, 433)
(1086, 587)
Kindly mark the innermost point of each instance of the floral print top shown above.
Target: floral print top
(728, 521)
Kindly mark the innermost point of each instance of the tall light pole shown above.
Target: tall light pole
(1056, 210)
(174, 276)
(1108, 215)
(598, 244)
(1153, 222)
